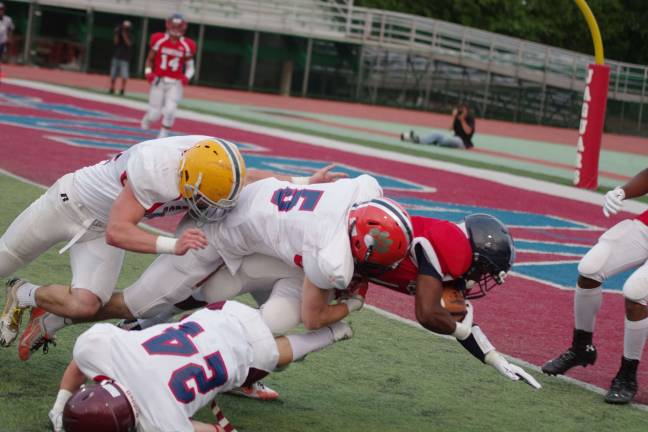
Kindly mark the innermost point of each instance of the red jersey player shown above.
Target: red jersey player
(475, 256)
(169, 67)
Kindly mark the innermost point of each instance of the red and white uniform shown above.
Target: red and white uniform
(622, 247)
(302, 226)
(75, 210)
(173, 370)
(446, 246)
(171, 55)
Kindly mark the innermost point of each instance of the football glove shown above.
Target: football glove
(510, 371)
(613, 201)
(56, 417)
(150, 77)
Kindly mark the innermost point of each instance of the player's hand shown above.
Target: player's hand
(184, 80)
(56, 417)
(150, 77)
(613, 201)
(325, 175)
(510, 371)
(193, 238)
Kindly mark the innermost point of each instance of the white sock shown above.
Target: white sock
(164, 132)
(587, 303)
(54, 323)
(61, 399)
(634, 338)
(303, 344)
(27, 295)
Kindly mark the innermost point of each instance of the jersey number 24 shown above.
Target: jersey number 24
(178, 342)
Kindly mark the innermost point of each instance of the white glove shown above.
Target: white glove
(56, 417)
(613, 201)
(354, 303)
(511, 371)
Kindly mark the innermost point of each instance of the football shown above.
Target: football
(453, 301)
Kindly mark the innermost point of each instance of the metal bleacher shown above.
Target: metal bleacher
(420, 50)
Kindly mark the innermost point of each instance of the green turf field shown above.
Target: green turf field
(389, 377)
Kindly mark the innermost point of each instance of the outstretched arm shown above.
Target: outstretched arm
(636, 187)
(72, 381)
(323, 175)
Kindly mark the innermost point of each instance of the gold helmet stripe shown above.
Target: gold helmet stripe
(233, 153)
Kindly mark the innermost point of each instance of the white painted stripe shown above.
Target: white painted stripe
(525, 364)
(519, 182)
(507, 179)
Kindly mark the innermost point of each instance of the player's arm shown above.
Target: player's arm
(427, 301)
(122, 230)
(636, 187)
(148, 66)
(72, 381)
(206, 427)
(316, 312)
(323, 175)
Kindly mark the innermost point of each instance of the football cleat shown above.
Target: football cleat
(258, 390)
(11, 313)
(35, 336)
(129, 324)
(341, 331)
(624, 385)
(570, 359)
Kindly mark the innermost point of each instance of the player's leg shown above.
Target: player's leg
(635, 290)
(114, 64)
(451, 142)
(95, 269)
(620, 248)
(125, 74)
(156, 99)
(171, 101)
(431, 139)
(168, 280)
(39, 227)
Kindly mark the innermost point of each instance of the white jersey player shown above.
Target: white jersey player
(96, 211)
(622, 247)
(329, 230)
(158, 378)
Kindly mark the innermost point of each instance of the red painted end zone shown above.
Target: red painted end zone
(541, 331)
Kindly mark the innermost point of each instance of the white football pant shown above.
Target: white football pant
(164, 97)
(622, 247)
(57, 217)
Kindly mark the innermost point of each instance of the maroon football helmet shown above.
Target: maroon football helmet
(100, 407)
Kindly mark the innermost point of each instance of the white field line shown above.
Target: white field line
(511, 180)
(507, 179)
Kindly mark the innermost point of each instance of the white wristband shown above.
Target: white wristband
(300, 180)
(462, 331)
(165, 245)
(148, 70)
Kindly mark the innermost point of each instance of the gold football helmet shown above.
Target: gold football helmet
(212, 174)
